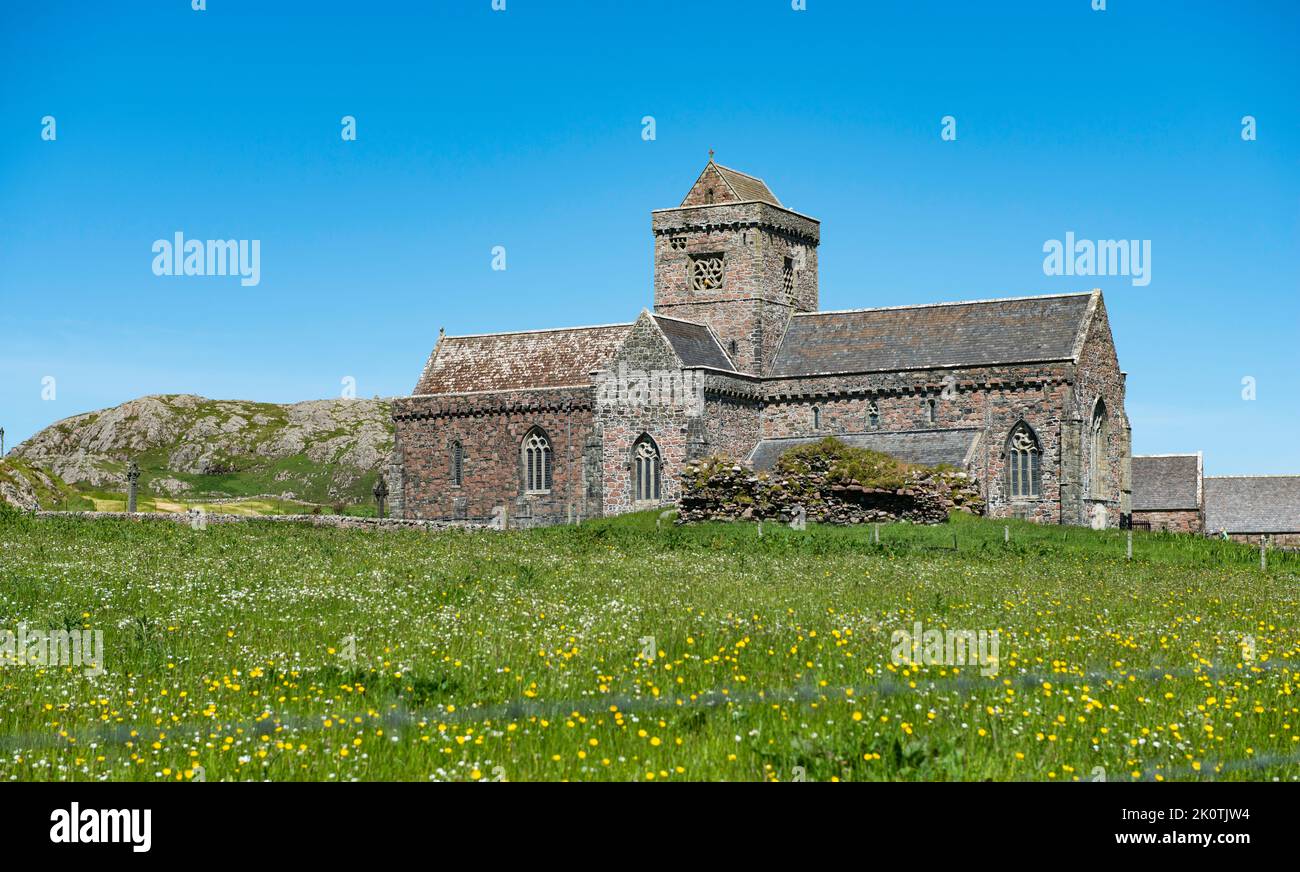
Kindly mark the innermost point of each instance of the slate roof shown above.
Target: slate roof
(747, 187)
(528, 359)
(1166, 482)
(928, 447)
(1252, 504)
(978, 333)
(694, 343)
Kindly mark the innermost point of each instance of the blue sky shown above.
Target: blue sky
(522, 128)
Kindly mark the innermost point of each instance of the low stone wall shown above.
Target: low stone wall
(341, 521)
(1170, 521)
(1288, 541)
(733, 492)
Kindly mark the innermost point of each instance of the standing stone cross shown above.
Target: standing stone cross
(381, 493)
(132, 482)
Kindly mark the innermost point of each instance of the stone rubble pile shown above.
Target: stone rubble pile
(722, 490)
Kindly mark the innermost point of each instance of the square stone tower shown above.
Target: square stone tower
(732, 257)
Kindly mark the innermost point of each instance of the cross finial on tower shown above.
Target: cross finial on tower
(710, 155)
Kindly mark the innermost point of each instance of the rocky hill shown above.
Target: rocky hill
(322, 451)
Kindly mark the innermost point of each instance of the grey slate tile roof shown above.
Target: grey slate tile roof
(530, 359)
(980, 333)
(694, 343)
(1252, 503)
(928, 447)
(747, 187)
(1164, 482)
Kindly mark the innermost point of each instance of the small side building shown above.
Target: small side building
(1168, 494)
(1247, 507)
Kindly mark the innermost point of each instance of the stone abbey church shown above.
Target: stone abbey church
(547, 426)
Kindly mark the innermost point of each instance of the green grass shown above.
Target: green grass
(267, 651)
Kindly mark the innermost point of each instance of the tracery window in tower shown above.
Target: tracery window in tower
(645, 470)
(1098, 463)
(1024, 463)
(536, 462)
(706, 272)
(873, 414)
(457, 462)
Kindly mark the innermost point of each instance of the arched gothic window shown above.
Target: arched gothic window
(645, 470)
(1024, 463)
(457, 462)
(873, 414)
(536, 461)
(1098, 455)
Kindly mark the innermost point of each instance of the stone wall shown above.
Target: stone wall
(1185, 521)
(491, 428)
(993, 399)
(340, 521)
(1098, 376)
(1275, 540)
(752, 307)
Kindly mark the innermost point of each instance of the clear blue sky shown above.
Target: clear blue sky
(523, 128)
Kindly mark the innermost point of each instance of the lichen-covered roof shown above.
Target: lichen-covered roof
(694, 343)
(978, 333)
(1252, 504)
(927, 447)
(1166, 482)
(747, 187)
(529, 359)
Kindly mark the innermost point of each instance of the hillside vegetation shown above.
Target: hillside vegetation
(192, 450)
(627, 649)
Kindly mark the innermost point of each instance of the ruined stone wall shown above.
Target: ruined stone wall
(491, 428)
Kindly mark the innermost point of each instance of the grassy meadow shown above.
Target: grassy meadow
(618, 650)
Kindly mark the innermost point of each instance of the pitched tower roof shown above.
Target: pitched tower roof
(719, 184)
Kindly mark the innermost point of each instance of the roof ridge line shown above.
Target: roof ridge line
(945, 303)
(496, 391)
(654, 314)
(541, 330)
(1264, 475)
(739, 172)
(877, 433)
